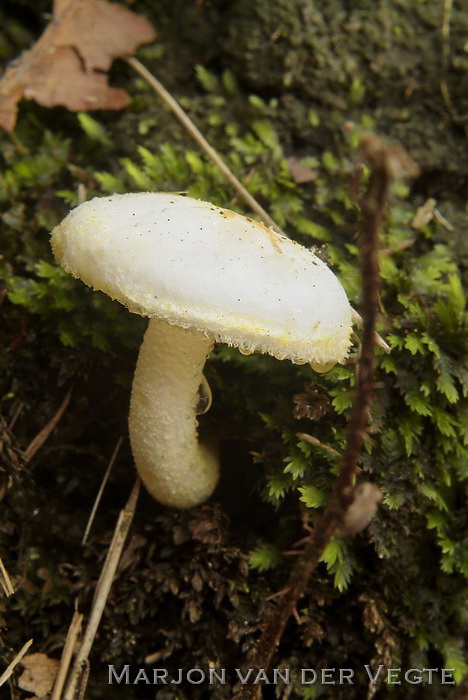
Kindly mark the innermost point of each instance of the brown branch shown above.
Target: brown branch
(386, 162)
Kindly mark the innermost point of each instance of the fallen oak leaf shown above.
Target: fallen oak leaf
(101, 31)
(67, 65)
(52, 85)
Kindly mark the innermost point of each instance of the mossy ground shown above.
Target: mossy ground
(263, 81)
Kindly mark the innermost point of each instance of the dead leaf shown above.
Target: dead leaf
(300, 173)
(67, 66)
(311, 404)
(51, 84)
(39, 674)
(424, 214)
(208, 524)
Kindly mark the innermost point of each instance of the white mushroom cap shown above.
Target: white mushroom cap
(208, 269)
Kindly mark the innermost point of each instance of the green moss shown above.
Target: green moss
(332, 56)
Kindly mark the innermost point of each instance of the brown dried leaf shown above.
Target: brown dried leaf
(67, 65)
(50, 84)
(131, 555)
(209, 525)
(311, 404)
(300, 173)
(312, 631)
(193, 610)
(39, 674)
(197, 582)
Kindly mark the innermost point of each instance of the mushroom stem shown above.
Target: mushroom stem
(175, 468)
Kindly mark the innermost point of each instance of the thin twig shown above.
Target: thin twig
(42, 436)
(101, 489)
(197, 136)
(443, 221)
(445, 56)
(5, 580)
(378, 339)
(444, 88)
(11, 667)
(384, 164)
(16, 415)
(102, 590)
(313, 441)
(67, 653)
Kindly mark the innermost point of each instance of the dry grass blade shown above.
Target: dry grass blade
(443, 221)
(5, 580)
(101, 489)
(102, 589)
(313, 441)
(42, 436)
(448, 4)
(195, 133)
(16, 415)
(68, 649)
(11, 667)
(378, 339)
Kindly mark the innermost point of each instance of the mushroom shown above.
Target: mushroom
(202, 274)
